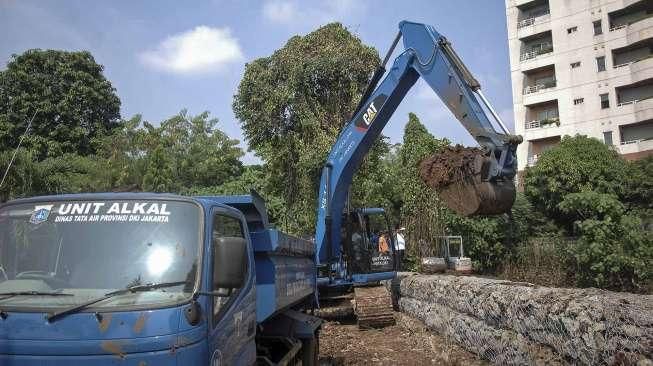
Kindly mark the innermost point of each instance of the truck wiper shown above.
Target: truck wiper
(137, 288)
(8, 295)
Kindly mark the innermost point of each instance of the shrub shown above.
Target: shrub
(613, 250)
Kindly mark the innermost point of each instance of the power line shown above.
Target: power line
(17, 147)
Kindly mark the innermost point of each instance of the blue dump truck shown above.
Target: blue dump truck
(149, 279)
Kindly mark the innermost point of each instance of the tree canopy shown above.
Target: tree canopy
(76, 104)
(292, 106)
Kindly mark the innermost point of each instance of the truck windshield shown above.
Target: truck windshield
(85, 249)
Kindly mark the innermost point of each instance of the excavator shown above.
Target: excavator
(350, 259)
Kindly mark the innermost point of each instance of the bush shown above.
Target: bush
(578, 164)
(542, 260)
(613, 250)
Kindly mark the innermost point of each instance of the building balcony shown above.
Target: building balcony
(629, 63)
(542, 123)
(633, 102)
(533, 53)
(530, 89)
(630, 15)
(632, 53)
(635, 93)
(544, 16)
(635, 148)
(532, 160)
(636, 110)
(525, 3)
(536, 147)
(636, 138)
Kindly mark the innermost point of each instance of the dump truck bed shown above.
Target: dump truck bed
(285, 271)
(285, 265)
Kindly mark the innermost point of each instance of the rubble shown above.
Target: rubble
(502, 320)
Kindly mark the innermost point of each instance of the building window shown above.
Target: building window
(571, 30)
(597, 28)
(575, 64)
(607, 137)
(578, 101)
(600, 63)
(605, 101)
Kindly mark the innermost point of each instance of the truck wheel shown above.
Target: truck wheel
(311, 350)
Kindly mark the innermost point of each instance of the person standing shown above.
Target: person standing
(400, 247)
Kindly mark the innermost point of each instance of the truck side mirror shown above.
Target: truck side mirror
(229, 262)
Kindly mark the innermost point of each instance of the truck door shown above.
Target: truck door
(233, 315)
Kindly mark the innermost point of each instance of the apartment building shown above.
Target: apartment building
(582, 67)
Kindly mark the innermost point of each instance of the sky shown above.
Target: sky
(165, 56)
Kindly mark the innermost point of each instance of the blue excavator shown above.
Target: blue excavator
(351, 255)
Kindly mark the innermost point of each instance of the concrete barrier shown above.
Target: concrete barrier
(520, 323)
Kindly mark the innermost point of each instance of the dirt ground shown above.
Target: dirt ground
(407, 343)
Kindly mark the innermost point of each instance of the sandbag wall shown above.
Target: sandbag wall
(519, 323)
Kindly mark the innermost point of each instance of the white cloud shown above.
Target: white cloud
(294, 12)
(280, 11)
(202, 49)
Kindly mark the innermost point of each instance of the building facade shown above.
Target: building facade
(582, 67)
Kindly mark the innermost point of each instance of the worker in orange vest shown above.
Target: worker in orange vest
(384, 245)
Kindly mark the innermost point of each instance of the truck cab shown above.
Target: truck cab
(152, 279)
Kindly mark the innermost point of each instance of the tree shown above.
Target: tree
(75, 102)
(192, 152)
(638, 189)
(292, 106)
(159, 175)
(252, 178)
(421, 212)
(578, 164)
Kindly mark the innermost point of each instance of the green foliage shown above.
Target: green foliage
(578, 164)
(252, 178)
(183, 152)
(638, 190)
(76, 104)
(422, 213)
(158, 176)
(592, 205)
(612, 250)
(292, 106)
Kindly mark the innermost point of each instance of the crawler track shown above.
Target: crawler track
(373, 307)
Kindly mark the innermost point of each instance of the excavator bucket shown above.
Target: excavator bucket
(457, 175)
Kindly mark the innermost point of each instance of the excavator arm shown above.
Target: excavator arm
(428, 55)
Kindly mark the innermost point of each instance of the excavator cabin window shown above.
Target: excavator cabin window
(368, 242)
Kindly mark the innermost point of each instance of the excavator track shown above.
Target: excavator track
(373, 307)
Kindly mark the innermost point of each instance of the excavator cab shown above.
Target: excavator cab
(368, 241)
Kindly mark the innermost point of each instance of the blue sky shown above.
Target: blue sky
(163, 56)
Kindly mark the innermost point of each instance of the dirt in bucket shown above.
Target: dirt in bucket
(456, 174)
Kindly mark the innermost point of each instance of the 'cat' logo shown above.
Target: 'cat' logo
(364, 121)
(369, 114)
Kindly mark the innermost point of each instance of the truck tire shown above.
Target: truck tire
(311, 350)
